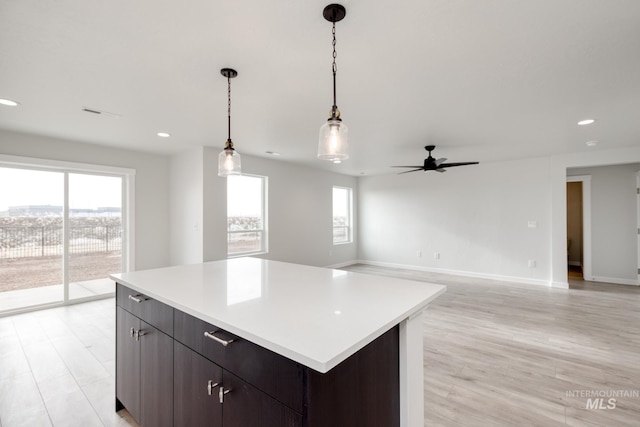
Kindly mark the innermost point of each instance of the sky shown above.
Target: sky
(244, 195)
(20, 187)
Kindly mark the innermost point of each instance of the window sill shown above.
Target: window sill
(244, 254)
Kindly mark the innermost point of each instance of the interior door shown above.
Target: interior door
(638, 216)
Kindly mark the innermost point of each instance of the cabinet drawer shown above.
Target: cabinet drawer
(151, 311)
(275, 375)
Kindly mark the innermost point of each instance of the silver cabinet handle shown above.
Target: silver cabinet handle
(210, 386)
(132, 332)
(137, 334)
(135, 298)
(216, 339)
(221, 394)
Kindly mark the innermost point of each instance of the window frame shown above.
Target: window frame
(349, 226)
(264, 247)
(127, 175)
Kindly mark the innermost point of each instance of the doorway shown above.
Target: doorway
(579, 227)
(575, 255)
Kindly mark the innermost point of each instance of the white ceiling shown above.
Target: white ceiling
(484, 80)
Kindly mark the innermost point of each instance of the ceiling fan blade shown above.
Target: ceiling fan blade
(440, 161)
(450, 165)
(407, 167)
(413, 170)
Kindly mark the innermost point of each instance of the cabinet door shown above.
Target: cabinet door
(156, 381)
(195, 389)
(245, 405)
(127, 362)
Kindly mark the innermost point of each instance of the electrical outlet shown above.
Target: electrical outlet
(532, 263)
(436, 255)
(419, 254)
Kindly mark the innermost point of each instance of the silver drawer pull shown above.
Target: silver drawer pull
(210, 386)
(132, 332)
(135, 298)
(221, 394)
(216, 339)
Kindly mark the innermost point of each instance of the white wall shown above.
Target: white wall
(613, 222)
(151, 192)
(475, 217)
(197, 208)
(300, 212)
(186, 207)
(300, 227)
(215, 208)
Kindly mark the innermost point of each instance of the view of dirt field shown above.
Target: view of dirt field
(35, 272)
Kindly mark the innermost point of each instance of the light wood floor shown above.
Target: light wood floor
(495, 354)
(510, 354)
(57, 367)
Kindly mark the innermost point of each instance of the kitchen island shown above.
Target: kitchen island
(247, 341)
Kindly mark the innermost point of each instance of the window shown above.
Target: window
(246, 214)
(342, 215)
(64, 227)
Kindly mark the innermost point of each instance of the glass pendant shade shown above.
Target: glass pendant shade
(333, 143)
(229, 162)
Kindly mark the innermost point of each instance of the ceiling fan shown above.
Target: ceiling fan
(431, 164)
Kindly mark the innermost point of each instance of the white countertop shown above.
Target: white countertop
(315, 316)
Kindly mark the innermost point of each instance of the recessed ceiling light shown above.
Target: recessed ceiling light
(164, 135)
(586, 122)
(591, 143)
(9, 103)
(273, 153)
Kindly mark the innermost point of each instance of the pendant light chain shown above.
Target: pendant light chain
(229, 107)
(334, 65)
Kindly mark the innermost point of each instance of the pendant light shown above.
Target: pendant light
(333, 141)
(229, 159)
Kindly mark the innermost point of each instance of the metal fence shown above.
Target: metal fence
(23, 242)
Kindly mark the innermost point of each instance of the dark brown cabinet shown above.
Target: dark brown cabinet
(207, 395)
(156, 377)
(245, 405)
(144, 369)
(196, 389)
(173, 369)
(127, 362)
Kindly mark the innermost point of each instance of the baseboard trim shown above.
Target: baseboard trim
(497, 277)
(560, 285)
(614, 280)
(342, 264)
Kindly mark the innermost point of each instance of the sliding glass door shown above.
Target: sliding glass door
(95, 234)
(62, 233)
(31, 238)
